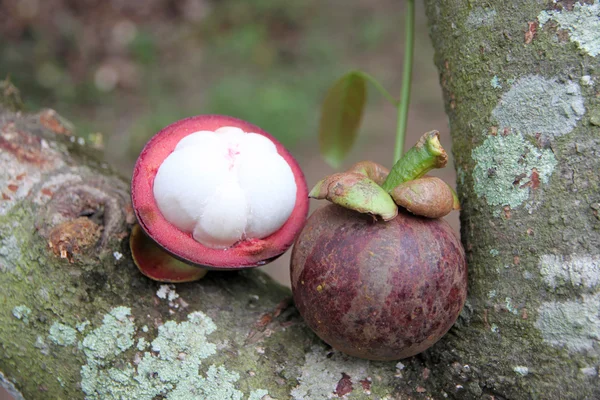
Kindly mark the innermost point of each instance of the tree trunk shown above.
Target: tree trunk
(521, 85)
(77, 320)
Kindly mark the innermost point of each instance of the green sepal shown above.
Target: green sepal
(357, 192)
(424, 156)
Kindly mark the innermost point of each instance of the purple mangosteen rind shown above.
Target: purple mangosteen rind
(378, 274)
(378, 290)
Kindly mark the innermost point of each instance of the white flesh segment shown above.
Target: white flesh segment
(225, 186)
(184, 183)
(202, 182)
(230, 131)
(254, 143)
(224, 219)
(270, 188)
(231, 135)
(202, 139)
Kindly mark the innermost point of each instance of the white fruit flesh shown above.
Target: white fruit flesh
(225, 186)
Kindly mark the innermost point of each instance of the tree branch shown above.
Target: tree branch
(78, 320)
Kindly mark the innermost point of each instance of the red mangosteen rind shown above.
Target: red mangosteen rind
(378, 290)
(157, 264)
(244, 254)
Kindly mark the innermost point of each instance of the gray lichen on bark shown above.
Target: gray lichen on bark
(64, 254)
(526, 153)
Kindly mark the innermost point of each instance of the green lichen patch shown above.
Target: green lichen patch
(62, 335)
(218, 384)
(22, 313)
(9, 247)
(41, 345)
(558, 270)
(508, 304)
(82, 326)
(186, 339)
(114, 337)
(495, 82)
(258, 394)
(323, 370)
(142, 344)
(167, 292)
(506, 168)
(480, 16)
(586, 80)
(170, 369)
(582, 24)
(521, 370)
(589, 371)
(573, 324)
(553, 113)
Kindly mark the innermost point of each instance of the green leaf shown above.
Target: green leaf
(340, 117)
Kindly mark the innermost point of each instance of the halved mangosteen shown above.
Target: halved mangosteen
(219, 193)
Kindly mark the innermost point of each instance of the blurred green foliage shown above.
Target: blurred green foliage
(284, 108)
(143, 48)
(131, 71)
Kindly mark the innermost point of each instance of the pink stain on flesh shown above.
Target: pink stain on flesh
(232, 153)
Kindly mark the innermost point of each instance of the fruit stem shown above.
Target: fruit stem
(424, 156)
(409, 44)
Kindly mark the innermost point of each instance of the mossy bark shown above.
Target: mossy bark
(71, 296)
(78, 320)
(521, 90)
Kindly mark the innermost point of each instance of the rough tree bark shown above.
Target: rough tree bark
(522, 89)
(77, 320)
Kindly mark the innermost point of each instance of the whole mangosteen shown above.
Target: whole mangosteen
(381, 289)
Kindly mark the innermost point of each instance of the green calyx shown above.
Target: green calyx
(424, 156)
(368, 187)
(428, 196)
(358, 192)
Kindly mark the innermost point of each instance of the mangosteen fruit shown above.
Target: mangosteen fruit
(377, 283)
(219, 193)
(381, 290)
